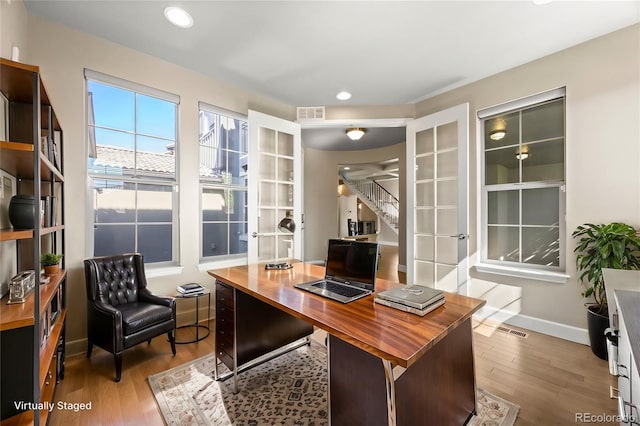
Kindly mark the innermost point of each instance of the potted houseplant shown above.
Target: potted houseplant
(51, 263)
(614, 245)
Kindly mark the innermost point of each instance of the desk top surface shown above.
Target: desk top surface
(385, 332)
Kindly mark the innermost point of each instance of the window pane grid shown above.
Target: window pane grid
(132, 164)
(223, 177)
(523, 185)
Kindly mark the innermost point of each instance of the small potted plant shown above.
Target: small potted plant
(614, 245)
(51, 263)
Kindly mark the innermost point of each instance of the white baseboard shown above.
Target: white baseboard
(555, 329)
(75, 347)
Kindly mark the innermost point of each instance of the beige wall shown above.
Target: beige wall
(320, 190)
(602, 166)
(62, 54)
(602, 79)
(13, 25)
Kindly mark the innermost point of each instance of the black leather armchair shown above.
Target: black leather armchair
(121, 311)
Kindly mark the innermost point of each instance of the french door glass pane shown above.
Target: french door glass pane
(540, 206)
(285, 144)
(285, 246)
(447, 192)
(267, 194)
(424, 221)
(424, 141)
(267, 220)
(503, 207)
(447, 250)
(424, 273)
(267, 247)
(285, 195)
(447, 221)
(267, 140)
(267, 167)
(424, 194)
(503, 243)
(447, 136)
(424, 167)
(447, 164)
(447, 277)
(540, 246)
(285, 169)
(154, 242)
(424, 247)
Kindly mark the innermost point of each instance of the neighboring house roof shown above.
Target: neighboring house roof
(161, 163)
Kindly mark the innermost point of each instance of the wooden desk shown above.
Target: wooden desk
(367, 340)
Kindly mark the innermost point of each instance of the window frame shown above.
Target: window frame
(137, 89)
(204, 183)
(521, 269)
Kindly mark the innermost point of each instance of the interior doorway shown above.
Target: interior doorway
(369, 201)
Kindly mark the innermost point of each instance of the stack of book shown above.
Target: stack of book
(191, 289)
(416, 299)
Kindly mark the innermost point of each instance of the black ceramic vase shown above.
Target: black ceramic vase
(22, 211)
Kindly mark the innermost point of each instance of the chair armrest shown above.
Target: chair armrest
(146, 296)
(104, 324)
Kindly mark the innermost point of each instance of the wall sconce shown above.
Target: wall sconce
(355, 133)
(287, 224)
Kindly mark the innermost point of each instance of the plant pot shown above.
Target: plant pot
(51, 270)
(597, 324)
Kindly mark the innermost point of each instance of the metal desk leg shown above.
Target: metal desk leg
(391, 392)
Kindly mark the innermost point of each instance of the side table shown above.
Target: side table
(196, 324)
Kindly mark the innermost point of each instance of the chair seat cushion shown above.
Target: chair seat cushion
(138, 316)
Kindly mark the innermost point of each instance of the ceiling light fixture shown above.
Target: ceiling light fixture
(178, 17)
(343, 96)
(355, 133)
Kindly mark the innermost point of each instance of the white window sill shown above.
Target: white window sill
(227, 263)
(163, 271)
(532, 274)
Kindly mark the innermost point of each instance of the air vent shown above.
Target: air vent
(512, 331)
(311, 113)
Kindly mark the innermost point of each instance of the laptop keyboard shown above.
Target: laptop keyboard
(339, 289)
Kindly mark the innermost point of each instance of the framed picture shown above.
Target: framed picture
(4, 117)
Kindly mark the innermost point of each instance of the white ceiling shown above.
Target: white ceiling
(384, 52)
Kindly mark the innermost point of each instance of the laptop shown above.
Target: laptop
(350, 271)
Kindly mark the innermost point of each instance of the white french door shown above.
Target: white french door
(437, 194)
(274, 188)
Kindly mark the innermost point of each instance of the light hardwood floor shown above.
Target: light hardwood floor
(550, 379)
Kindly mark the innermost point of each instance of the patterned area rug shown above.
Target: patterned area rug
(288, 390)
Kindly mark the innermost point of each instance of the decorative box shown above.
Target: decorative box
(21, 286)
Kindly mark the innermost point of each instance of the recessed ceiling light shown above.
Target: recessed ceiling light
(343, 96)
(178, 17)
(347, 168)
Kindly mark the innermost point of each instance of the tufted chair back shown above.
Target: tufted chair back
(115, 279)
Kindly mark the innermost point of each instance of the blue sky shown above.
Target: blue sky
(115, 108)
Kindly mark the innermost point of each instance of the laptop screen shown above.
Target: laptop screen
(353, 261)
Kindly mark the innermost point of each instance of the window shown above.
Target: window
(223, 181)
(523, 190)
(132, 168)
